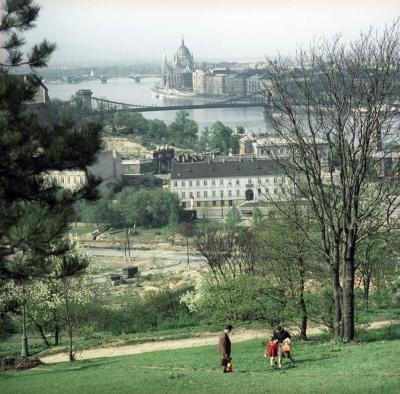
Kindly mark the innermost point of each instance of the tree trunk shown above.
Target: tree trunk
(70, 329)
(56, 329)
(366, 287)
(70, 335)
(24, 340)
(302, 303)
(304, 318)
(56, 335)
(40, 329)
(348, 297)
(337, 295)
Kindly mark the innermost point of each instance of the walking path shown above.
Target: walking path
(182, 344)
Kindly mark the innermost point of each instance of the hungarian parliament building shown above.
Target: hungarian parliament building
(184, 75)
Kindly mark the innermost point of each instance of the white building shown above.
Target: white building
(211, 188)
(199, 82)
(108, 167)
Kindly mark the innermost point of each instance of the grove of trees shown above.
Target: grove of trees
(342, 94)
(148, 208)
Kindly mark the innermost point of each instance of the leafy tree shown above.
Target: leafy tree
(133, 207)
(157, 130)
(121, 119)
(33, 211)
(376, 262)
(182, 131)
(38, 300)
(221, 137)
(256, 217)
(204, 140)
(287, 243)
(162, 203)
(75, 292)
(233, 217)
(150, 208)
(137, 123)
(244, 298)
(173, 223)
(131, 123)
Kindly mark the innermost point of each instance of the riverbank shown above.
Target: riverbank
(180, 94)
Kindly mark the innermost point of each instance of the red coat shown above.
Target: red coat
(272, 349)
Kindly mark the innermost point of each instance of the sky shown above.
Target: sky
(130, 31)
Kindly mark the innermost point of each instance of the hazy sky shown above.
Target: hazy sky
(139, 30)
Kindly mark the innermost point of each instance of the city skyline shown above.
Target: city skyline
(87, 31)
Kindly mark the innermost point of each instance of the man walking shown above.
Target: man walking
(225, 347)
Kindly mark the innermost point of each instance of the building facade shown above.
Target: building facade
(179, 74)
(108, 167)
(215, 84)
(235, 85)
(199, 82)
(212, 188)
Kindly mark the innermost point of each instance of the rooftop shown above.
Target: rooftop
(221, 169)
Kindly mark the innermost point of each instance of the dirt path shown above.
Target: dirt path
(182, 344)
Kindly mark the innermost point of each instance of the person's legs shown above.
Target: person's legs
(223, 364)
(272, 361)
(279, 356)
(290, 357)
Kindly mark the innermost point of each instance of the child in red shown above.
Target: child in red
(271, 351)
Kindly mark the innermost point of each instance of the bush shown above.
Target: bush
(240, 299)
(155, 310)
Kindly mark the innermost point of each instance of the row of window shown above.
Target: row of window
(214, 203)
(214, 182)
(221, 194)
(264, 151)
(64, 179)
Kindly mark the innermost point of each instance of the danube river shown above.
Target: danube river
(125, 90)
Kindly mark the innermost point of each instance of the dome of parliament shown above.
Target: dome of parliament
(183, 57)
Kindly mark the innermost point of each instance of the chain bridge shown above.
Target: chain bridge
(104, 106)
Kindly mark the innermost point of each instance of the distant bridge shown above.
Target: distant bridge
(104, 78)
(107, 106)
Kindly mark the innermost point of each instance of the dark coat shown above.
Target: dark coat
(280, 336)
(224, 346)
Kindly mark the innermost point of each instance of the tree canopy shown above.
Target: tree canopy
(33, 210)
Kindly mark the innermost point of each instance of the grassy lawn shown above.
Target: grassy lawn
(12, 346)
(82, 229)
(369, 366)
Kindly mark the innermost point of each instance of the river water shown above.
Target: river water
(125, 90)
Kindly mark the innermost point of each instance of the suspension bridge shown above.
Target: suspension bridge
(104, 106)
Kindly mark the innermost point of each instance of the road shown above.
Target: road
(170, 260)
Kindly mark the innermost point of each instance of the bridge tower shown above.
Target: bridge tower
(86, 96)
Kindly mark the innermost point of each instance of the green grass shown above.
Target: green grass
(12, 346)
(376, 314)
(372, 366)
(85, 229)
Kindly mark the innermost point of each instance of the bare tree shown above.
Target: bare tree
(344, 96)
(228, 249)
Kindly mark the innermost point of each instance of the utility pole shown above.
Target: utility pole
(187, 249)
(127, 242)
